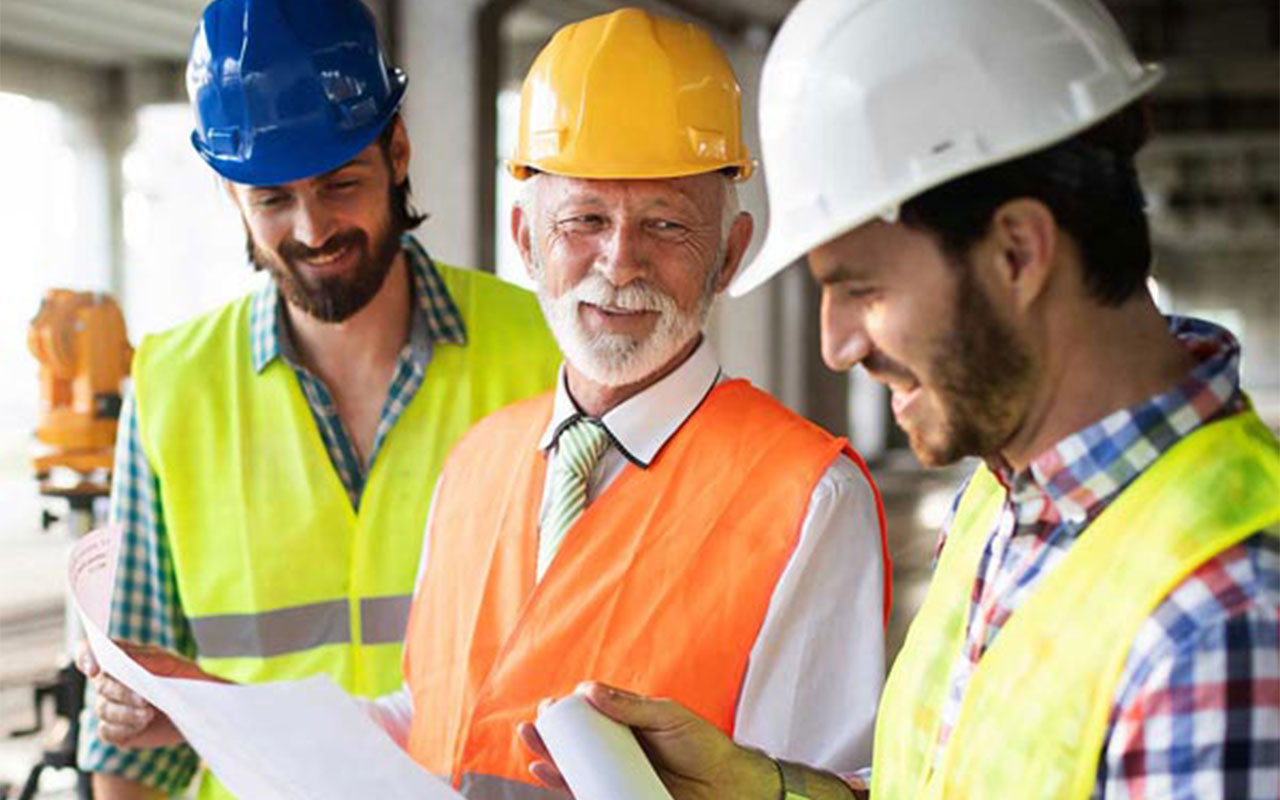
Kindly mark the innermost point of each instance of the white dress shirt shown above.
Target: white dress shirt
(817, 665)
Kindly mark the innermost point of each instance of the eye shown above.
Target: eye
(582, 223)
(270, 200)
(343, 184)
(668, 228)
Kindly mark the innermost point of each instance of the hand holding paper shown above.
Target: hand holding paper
(693, 758)
(303, 740)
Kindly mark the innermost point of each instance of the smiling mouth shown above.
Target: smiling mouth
(902, 399)
(615, 311)
(325, 259)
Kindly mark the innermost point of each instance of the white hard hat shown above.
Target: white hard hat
(867, 103)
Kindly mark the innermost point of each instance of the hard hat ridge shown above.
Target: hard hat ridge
(630, 95)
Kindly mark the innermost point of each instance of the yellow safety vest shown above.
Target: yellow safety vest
(279, 576)
(1035, 713)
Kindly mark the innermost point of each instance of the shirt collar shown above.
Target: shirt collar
(436, 318)
(643, 424)
(1081, 473)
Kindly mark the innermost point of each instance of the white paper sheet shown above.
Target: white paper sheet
(599, 758)
(278, 741)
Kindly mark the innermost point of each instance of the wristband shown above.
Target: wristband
(794, 784)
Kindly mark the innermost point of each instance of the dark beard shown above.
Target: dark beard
(983, 375)
(334, 298)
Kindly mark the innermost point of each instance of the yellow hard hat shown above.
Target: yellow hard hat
(630, 95)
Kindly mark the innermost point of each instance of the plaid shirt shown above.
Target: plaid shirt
(146, 607)
(1197, 711)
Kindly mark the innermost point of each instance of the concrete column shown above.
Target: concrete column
(745, 330)
(437, 47)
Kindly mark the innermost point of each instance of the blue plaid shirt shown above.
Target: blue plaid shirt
(146, 606)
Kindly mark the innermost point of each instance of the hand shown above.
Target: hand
(125, 718)
(692, 757)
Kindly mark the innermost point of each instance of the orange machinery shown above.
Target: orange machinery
(79, 339)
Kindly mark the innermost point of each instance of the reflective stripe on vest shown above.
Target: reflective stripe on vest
(661, 587)
(1036, 710)
(280, 577)
(490, 787)
(288, 630)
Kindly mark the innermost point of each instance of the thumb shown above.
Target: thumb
(86, 662)
(634, 710)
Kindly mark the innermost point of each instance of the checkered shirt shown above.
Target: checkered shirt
(146, 607)
(1197, 712)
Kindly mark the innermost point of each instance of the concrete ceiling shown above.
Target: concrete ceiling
(106, 33)
(100, 32)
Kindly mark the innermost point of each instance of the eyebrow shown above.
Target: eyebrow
(838, 274)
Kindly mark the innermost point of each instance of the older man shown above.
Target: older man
(649, 522)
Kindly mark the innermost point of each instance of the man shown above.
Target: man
(649, 522)
(1103, 621)
(277, 458)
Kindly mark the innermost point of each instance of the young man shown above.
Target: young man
(1103, 622)
(278, 455)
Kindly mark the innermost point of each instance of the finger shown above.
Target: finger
(118, 735)
(549, 776)
(632, 709)
(85, 661)
(530, 739)
(127, 717)
(117, 692)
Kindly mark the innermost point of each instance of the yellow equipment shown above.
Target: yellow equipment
(630, 95)
(79, 339)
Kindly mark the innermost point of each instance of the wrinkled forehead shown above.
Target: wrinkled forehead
(703, 193)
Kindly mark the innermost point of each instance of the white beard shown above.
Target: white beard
(615, 359)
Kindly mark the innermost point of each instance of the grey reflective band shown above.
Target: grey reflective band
(383, 619)
(272, 633)
(490, 787)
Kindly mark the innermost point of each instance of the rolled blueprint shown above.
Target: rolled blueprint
(599, 758)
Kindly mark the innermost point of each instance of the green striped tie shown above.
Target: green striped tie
(578, 450)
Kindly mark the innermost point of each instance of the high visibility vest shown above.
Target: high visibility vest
(278, 575)
(1035, 712)
(661, 587)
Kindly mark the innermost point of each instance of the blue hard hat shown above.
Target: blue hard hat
(287, 89)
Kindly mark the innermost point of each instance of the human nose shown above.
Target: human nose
(845, 342)
(313, 225)
(622, 258)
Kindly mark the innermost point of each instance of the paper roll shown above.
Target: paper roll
(599, 758)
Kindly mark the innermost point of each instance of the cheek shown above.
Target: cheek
(565, 262)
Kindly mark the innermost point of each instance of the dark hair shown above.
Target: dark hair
(1089, 184)
(404, 217)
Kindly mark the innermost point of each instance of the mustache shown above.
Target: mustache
(638, 295)
(294, 250)
(885, 369)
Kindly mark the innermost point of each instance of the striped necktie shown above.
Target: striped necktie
(578, 450)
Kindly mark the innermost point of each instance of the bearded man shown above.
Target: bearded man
(277, 456)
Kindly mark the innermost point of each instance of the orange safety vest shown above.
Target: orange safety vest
(661, 587)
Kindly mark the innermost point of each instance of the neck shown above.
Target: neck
(371, 337)
(597, 399)
(1094, 364)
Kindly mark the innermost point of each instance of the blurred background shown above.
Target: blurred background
(102, 191)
